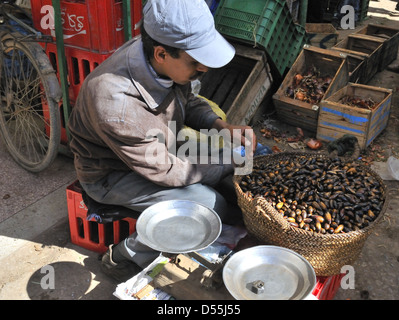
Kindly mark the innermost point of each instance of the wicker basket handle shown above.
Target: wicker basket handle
(264, 213)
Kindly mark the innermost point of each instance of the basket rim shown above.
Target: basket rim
(286, 224)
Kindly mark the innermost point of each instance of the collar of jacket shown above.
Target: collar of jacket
(150, 89)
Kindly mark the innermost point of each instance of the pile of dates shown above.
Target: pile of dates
(309, 87)
(320, 195)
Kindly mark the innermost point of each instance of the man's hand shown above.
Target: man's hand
(244, 134)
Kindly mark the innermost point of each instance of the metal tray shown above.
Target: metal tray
(178, 226)
(268, 273)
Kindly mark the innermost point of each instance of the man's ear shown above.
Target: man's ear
(159, 54)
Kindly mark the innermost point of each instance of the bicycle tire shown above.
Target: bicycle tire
(30, 121)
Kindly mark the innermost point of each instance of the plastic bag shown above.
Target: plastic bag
(393, 167)
(260, 150)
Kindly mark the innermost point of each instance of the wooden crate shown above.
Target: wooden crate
(390, 45)
(239, 88)
(356, 67)
(337, 119)
(322, 35)
(366, 47)
(300, 113)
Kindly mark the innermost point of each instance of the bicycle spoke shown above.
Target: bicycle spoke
(26, 125)
(27, 134)
(29, 122)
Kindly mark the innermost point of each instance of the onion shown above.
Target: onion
(297, 79)
(300, 96)
(314, 144)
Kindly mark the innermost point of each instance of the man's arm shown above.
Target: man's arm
(245, 134)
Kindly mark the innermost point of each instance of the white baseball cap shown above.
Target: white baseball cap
(187, 25)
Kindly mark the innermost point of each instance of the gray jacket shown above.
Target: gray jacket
(118, 103)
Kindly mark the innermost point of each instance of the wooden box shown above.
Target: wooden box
(368, 48)
(356, 69)
(322, 35)
(337, 119)
(390, 45)
(303, 114)
(239, 88)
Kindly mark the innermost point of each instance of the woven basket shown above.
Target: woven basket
(327, 253)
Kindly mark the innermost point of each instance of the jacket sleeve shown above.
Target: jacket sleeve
(149, 156)
(142, 144)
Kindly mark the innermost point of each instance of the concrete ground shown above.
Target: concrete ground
(36, 235)
(34, 230)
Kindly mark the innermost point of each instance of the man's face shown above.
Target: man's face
(183, 69)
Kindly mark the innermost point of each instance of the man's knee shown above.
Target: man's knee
(207, 196)
(203, 194)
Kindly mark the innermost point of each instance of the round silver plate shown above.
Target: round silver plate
(178, 226)
(268, 273)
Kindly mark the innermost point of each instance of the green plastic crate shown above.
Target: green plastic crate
(252, 20)
(263, 23)
(283, 50)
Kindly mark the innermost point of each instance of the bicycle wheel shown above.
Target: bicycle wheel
(30, 122)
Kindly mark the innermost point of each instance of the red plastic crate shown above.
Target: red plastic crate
(79, 65)
(46, 115)
(88, 233)
(95, 25)
(327, 287)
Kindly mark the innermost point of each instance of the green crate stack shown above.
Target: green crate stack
(263, 23)
(364, 8)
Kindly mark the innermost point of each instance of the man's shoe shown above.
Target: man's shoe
(121, 271)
